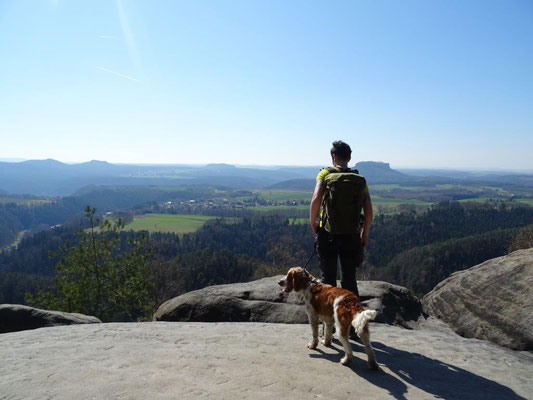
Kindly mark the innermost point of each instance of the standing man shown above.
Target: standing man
(335, 217)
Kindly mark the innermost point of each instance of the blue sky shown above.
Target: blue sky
(444, 84)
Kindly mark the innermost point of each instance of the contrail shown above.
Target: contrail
(128, 36)
(119, 74)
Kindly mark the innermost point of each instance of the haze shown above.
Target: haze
(417, 84)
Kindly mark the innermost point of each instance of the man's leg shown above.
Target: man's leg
(351, 256)
(327, 256)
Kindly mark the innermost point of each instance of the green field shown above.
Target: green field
(527, 201)
(392, 200)
(478, 200)
(298, 221)
(284, 195)
(274, 208)
(19, 201)
(174, 223)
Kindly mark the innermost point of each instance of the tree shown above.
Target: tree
(94, 277)
(523, 240)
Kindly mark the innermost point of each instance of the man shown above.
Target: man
(340, 194)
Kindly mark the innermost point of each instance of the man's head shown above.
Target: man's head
(341, 152)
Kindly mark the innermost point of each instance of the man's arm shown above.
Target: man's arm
(369, 215)
(314, 209)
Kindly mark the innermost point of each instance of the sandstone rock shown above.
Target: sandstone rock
(491, 301)
(395, 304)
(14, 317)
(178, 360)
(260, 301)
(256, 301)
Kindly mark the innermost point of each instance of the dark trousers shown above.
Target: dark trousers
(347, 250)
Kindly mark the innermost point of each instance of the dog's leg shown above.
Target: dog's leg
(343, 328)
(313, 321)
(365, 338)
(347, 359)
(328, 332)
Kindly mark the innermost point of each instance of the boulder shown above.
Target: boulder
(491, 301)
(395, 304)
(15, 317)
(260, 301)
(256, 301)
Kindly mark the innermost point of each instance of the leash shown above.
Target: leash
(308, 261)
(310, 258)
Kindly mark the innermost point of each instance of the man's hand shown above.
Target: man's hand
(364, 240)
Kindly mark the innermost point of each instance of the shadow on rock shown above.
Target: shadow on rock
(393, 385)
(438, 378)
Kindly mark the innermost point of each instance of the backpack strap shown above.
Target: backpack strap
(323, 215)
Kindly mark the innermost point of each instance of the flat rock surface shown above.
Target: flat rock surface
(177, 360)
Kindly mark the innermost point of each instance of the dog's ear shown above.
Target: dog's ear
(290, 281)
(301, 279)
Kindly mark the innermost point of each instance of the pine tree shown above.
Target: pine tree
(94, 277)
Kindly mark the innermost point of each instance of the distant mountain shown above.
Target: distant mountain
(221, 166)
(380, 172)
(96, 166)
(505, 177)
(294, 184)
(53, 178)
(374, 172)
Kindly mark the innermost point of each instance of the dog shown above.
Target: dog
(334, 306)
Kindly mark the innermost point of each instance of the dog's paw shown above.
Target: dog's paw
(346, 361)
(326, 343)
(374, 366)
(312, 345)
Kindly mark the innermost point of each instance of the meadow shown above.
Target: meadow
(23, 201)
(284, 195)
(175, 223)
(385, 201)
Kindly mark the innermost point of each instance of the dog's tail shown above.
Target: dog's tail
(361, 319)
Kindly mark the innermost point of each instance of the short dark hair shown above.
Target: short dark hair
(341, 150)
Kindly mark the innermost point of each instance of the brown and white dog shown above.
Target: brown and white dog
(334, 306)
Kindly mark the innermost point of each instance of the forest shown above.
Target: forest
(416, 250)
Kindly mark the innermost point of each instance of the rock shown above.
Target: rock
(256, 301)
(395, 304)
(177, 360)
(14, 317)
(260, 301)
(491, 301)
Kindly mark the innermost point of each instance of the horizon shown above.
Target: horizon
(423, 85)
(260, 166)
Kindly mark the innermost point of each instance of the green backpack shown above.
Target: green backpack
(343, 201)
